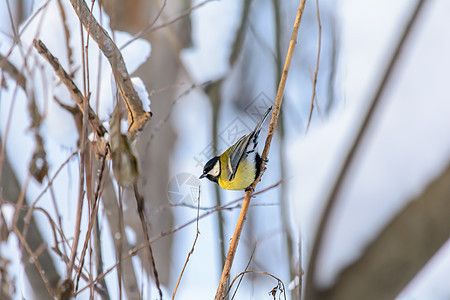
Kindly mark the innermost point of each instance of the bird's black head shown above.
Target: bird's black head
(212, 169)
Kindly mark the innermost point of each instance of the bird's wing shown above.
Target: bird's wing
(240, 147)
(235, 154)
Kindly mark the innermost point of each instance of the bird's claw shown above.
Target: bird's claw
(250, 189)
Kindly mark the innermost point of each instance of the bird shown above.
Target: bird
(239, 166)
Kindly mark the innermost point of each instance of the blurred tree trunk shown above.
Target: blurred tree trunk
(160, 71)
(401, 249)
(10, 192)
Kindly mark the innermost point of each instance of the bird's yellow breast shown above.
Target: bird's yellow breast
(245, 174)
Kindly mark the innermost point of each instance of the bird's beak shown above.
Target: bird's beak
(202, 176)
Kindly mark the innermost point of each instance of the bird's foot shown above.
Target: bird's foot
(250, 189)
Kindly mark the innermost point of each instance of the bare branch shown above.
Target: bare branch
(279, 281)
(140, 208)
(35, 260)
(73, 89)
(133, 252)
(192, 249)
(249, 193)
(137, 116)
(12, 71)
(313, 96)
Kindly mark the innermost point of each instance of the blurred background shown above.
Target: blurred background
(211, 68)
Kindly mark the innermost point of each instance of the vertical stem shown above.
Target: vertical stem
(249, 193)
(284, 205)
(213, 92)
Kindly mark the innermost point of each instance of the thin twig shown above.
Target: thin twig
(273, 122)
(57, 213)
(140, 208)
(35, 260)
(120, 242)
(92, 218)
(133, 252)
(242, 277)
(300, 268)
(50, 181)
(283, 289)
(149, 28)
(66, 34)
(21, 199)
(166, 118)
(192, 249)
(313, 96)
(310, 288)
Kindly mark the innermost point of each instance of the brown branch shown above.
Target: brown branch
(192, 249)
(133, 252)
(73, 89)
(137, 116)
(66, 33)
(313, 96)
(282, 288)
(12, 71)
(35, 260)
(273, 122)
(140, 208)
(92, 218)
(242, 277)
(331, 200)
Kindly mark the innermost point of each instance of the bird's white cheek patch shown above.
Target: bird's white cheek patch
(216, 170)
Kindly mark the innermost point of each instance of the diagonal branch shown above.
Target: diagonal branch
(137, 116)
(9, 68)
(73, 89)
(273, 123)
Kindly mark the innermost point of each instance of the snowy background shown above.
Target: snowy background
(406, 148)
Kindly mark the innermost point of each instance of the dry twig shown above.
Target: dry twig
(35, 260)
(149, 28)
(92, 218)
(137, 116)
(280, 284)
(249, 193)
(313, 96)
(140, 208)
(192, 249)
(242, 277)
(73, 89)
(133, 252)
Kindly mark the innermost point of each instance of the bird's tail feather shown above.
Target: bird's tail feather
(259, 126)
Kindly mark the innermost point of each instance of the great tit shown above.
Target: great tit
(239, 166)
